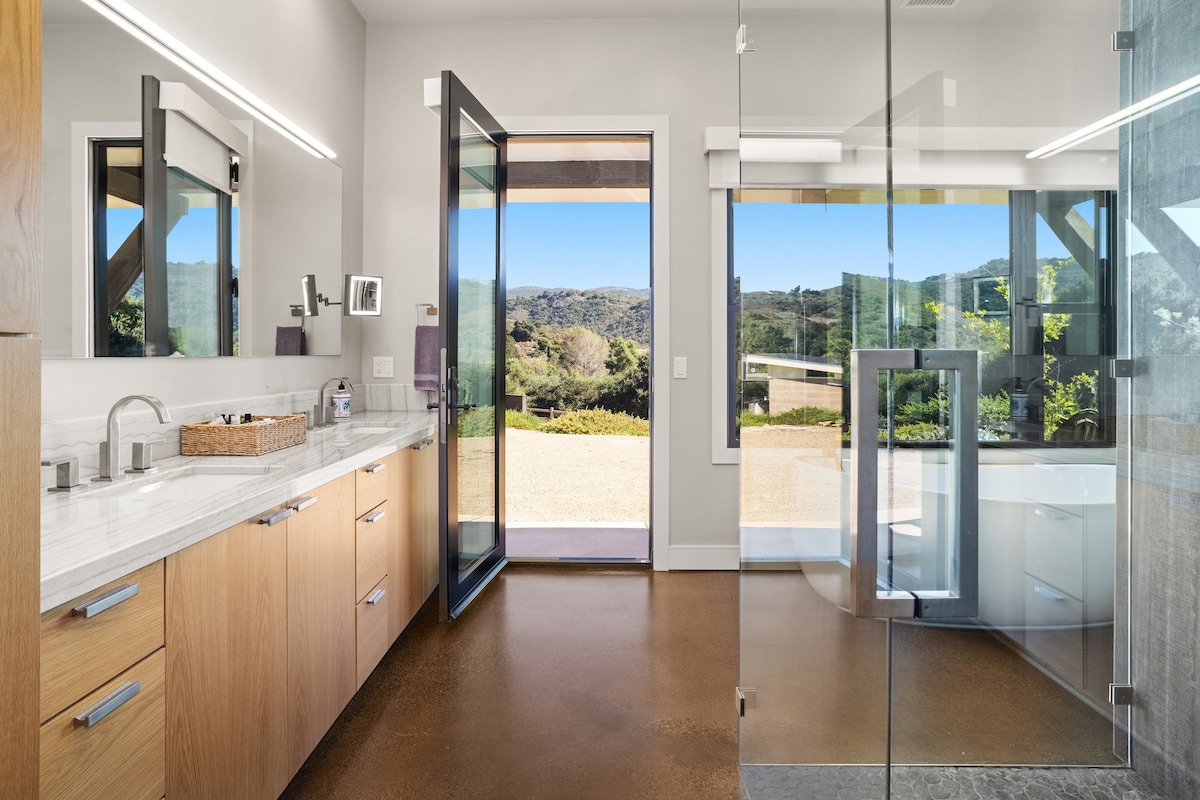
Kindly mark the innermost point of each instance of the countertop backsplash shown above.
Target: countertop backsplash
(82, 437)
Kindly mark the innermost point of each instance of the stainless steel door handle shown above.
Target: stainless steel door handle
(867, 599)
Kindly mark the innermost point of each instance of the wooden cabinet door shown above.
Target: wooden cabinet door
(322, 670)
(227, 665)
(424, 500)
(404, 555)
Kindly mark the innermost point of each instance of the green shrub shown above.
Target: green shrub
(597, 421)
(477, 423)
(807, 415)
(917, 432)
(523, 421)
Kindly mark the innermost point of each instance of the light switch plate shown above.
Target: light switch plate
(381, 367)
(680, 367)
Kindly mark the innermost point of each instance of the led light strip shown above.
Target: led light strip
(1153, 103)
(142, 29)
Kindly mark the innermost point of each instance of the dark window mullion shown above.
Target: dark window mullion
(100, 247)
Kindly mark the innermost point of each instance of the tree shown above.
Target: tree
(622, 355)
(584, 351)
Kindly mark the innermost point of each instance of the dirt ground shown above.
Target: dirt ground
(791, 475)
(569, 478)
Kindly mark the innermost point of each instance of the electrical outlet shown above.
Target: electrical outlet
(381, 367)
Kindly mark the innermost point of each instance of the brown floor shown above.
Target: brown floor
(961, 695)
(555, 683)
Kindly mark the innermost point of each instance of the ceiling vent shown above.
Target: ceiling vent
(929, 3)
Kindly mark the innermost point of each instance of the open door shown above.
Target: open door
(470, 411)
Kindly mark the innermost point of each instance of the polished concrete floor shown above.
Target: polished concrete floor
(555, 683)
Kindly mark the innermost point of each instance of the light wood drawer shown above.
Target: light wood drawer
(80, 652)
(372, 629)
(1054, 629)
(1054, 547)
(371, 549)
(121, 755)
(371, 485)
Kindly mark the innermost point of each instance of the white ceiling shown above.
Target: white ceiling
(478, 10)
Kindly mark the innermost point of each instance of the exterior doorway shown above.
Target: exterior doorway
(578, 341)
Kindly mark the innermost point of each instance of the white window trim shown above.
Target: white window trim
(724, 173)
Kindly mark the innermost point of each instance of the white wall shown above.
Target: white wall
(682, 68)
(306, 58)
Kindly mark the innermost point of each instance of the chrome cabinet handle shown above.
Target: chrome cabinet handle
(1049, 595)
(423, 444)
(303, 503)
(375, 468)
(376, 596)
(104, 602)
(276, 517)
(108, 704)
(378, 515)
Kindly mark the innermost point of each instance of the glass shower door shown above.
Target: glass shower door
(910, 219)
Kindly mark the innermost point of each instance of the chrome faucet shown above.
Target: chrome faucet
(320, 418)
(110, 450)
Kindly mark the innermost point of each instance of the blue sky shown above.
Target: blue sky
(783, 245)
(777, 245)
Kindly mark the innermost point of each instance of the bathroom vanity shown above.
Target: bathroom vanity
(252, 598)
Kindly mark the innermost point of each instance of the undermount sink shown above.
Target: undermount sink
(198, 480)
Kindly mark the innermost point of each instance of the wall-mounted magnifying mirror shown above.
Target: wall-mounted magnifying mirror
(363, 296)
(308, 292)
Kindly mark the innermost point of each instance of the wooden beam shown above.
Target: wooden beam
(578, 174)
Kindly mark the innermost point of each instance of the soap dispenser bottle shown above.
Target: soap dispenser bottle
(341, 403)
(1018, 403)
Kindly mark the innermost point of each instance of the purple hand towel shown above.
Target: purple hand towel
(427, 358)
(289, 340)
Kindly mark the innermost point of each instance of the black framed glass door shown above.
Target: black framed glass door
(470, 414)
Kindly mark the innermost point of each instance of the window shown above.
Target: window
(1021, 276)
(200, 269)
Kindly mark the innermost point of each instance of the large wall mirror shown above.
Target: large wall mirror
(282, 223)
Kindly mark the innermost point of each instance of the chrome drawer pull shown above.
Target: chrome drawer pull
(303, 503)
(423, 444)
(378, 515)
(109, 704)
(375, 468)
(276, 517)
(106, 601)
(1049, 595)
(376, 596)
(1057, 516)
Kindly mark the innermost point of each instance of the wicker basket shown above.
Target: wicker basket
(204, 439)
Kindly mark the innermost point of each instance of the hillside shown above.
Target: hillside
(610, 312)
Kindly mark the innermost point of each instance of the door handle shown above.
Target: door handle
(867, 599)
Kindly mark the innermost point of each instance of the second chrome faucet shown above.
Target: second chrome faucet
(110, 450)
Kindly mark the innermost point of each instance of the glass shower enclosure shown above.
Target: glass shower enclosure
(929, 412)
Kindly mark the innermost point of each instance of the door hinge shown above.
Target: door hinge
(1122, 41)
(743, 42)
(235, 169)
(1121, 367)
(1120, 694)
(746, 698)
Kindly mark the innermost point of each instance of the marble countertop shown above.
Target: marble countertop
(103, 531)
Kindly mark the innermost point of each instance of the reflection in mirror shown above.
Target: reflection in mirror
(287, 211)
